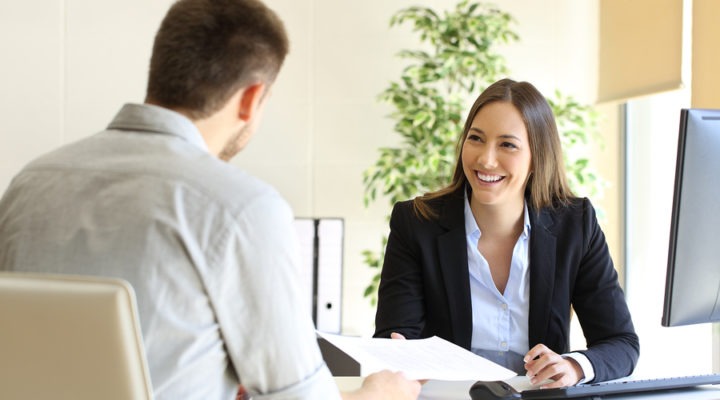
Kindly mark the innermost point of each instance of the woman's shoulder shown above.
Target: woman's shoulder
(574, 211)
(570, 205)
(430, 207)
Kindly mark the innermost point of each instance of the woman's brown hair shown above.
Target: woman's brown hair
(547, 184)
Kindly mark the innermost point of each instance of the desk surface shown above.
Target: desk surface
(444, 390)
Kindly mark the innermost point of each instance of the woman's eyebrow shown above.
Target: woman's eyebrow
(503, 136)
(510, 136)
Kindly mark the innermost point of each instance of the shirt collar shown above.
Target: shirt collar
(150, 118)
(471, 227)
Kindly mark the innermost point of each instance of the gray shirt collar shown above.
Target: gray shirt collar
(150, 118)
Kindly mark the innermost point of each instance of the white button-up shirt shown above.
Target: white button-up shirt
(500, 320)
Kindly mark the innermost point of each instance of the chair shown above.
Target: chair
(70, 337)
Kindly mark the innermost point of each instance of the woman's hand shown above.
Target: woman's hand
(396, 335)
(400, 336)
(543, 364)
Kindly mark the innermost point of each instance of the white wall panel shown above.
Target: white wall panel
(281, 152)
(31, 82)
(108, 46)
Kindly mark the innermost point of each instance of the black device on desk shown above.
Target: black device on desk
(493, 390)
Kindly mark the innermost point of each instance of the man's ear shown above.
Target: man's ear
(250, 100)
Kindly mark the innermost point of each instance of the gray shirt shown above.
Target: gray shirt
(209, 250)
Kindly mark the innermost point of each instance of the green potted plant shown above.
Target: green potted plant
(456, 61)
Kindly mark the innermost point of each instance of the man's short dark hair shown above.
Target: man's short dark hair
(205, 50)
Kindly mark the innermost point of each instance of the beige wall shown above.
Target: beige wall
(608, 159)
(68, 66)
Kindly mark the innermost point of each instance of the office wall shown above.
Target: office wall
(66, 67)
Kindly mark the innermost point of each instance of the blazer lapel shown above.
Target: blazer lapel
(542, 271)
(452, 252)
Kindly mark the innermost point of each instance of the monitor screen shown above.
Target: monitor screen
(692, 286)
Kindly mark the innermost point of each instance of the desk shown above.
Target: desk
(444, 390)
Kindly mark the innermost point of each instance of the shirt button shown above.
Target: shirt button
(503, 345)
(504, 306)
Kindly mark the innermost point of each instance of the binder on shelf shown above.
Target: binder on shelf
(305, 229)
(321, 251)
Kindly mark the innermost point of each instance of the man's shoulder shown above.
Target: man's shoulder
(228, 187)
(155, 163)
(236, 188)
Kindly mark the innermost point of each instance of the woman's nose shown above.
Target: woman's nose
(487, 158)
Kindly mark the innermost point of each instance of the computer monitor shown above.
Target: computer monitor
(692, 286)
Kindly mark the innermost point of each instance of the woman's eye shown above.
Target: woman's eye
(474, 138)
(509, 145)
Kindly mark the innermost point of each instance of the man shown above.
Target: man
(208, 249)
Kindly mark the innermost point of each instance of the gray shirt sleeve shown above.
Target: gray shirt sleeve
(261, 307)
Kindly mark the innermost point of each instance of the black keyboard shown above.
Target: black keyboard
(597, 390)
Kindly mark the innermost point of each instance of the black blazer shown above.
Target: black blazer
(425, 285)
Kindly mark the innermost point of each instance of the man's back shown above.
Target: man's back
(146, 202)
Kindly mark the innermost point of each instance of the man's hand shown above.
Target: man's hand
(543, 364)
(386, 385)
(242, 394)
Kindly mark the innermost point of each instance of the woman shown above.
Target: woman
(494, 261)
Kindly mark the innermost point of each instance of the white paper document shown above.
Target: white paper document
(431, 358)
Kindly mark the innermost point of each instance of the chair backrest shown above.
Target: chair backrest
(70, 337)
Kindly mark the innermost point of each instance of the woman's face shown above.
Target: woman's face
(496, 155)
